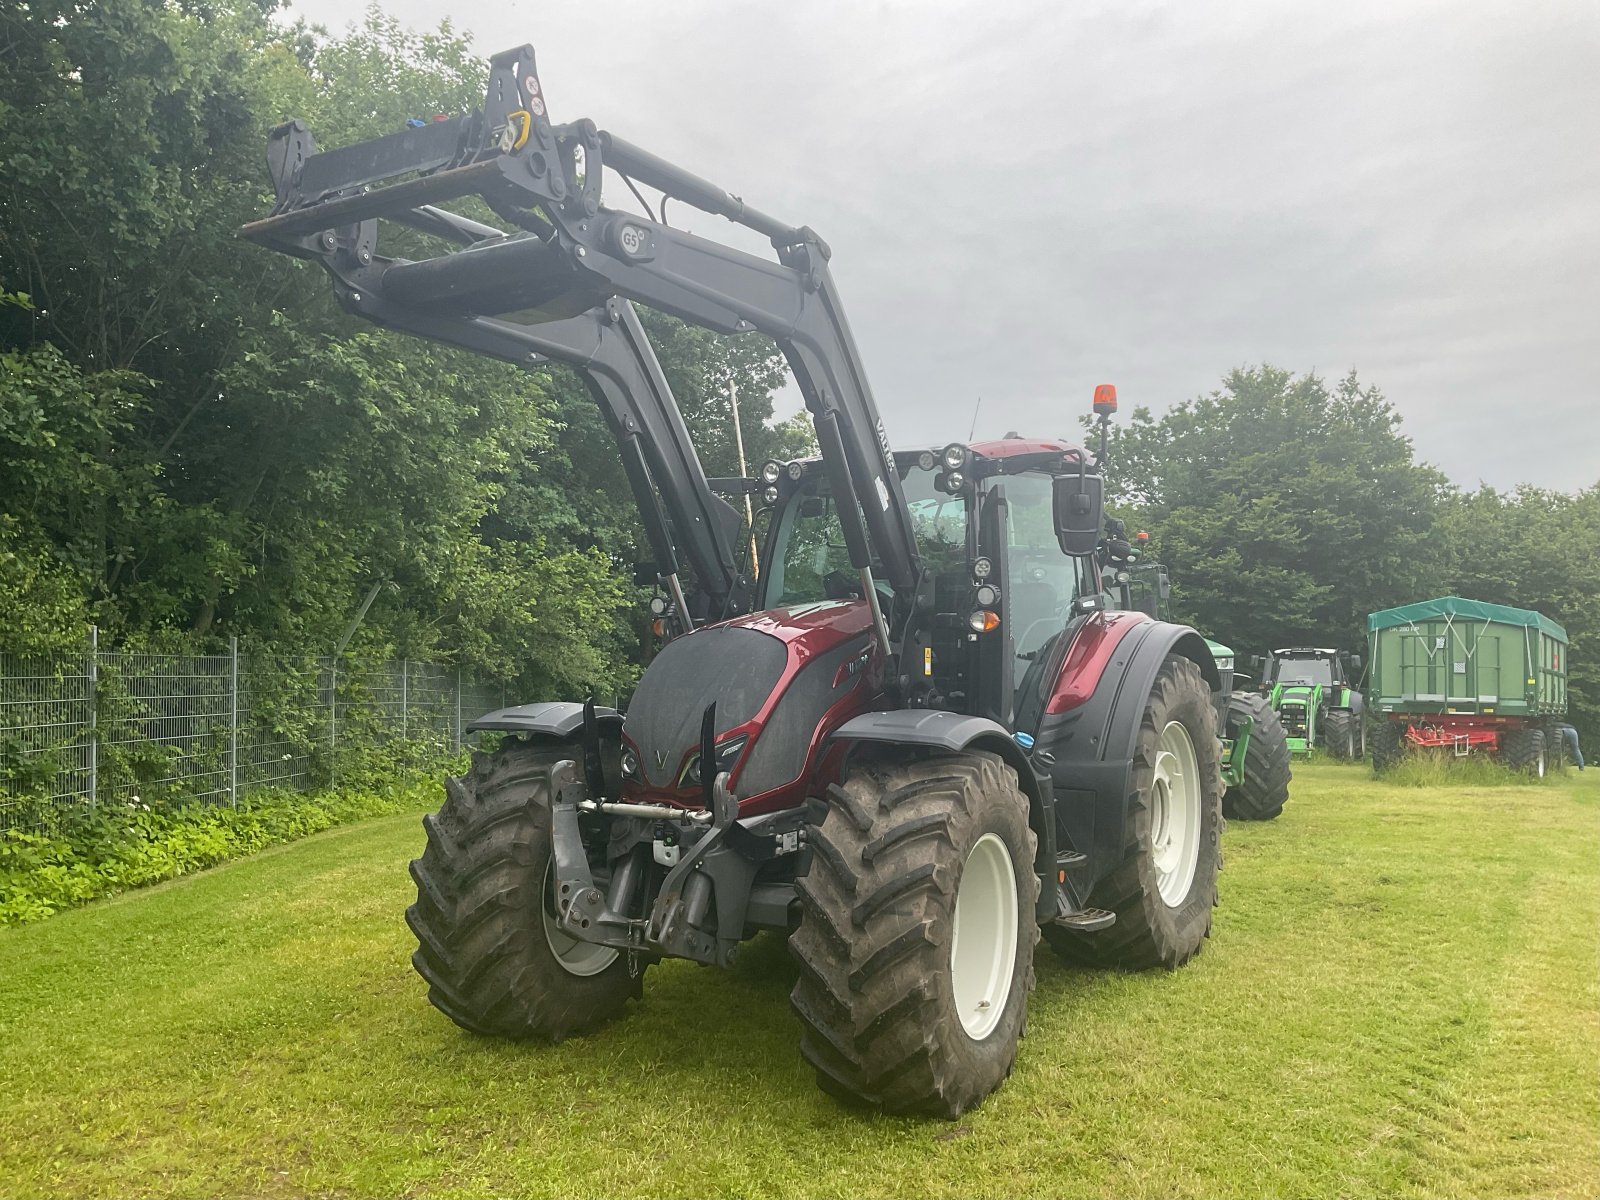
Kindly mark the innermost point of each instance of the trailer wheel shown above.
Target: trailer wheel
(1166, 886)
(1523, 750)
(1341, 735)
(1262, 793)
(495, 961)
(916, 936)
(1388, 744)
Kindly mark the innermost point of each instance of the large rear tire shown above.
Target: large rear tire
(916, 938)
(1163, 904)
(1341, 734)
(495, 961)
(1262, 793)
(1388, 743)
(1524, 750)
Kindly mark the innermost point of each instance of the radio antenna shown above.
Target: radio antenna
(971, 433)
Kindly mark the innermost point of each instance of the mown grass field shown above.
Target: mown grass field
(1399, 999)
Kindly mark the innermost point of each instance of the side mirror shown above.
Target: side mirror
(645, 574)
(1356, 663)
(1164, 585)
(1258, 665)
(1079, 502)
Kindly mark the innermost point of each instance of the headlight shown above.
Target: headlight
(954, 456)
(1224, 664)
(769, 496)
(771, 471)
(926, 461)
(727, 753)
(795, 470)
(630, 763)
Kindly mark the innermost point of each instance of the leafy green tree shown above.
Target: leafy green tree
(1286, 510)
(1534, 548)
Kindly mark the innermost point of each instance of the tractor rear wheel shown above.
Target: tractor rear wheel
(1388, 743)
(1262, 793)
(495, 960)
(1523, 750)
(1166, 886)
(916, 936)
(1341, 734)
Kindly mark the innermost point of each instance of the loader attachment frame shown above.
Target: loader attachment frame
(511, 295)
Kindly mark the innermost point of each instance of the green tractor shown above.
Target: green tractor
(1310, 689)
(1255, 748)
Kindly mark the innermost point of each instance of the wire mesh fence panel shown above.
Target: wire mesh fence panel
(283, 722)
(125, 727)
(46, 747)
(165, 726)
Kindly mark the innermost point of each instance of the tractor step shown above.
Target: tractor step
(1070, 858)
(1087, 921)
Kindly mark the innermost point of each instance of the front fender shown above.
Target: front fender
(556, 718)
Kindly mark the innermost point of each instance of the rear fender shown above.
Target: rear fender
(933, 729)
(1088, 748)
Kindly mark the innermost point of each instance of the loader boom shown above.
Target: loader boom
(500, 293)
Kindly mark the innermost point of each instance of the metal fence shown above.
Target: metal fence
(112, 726)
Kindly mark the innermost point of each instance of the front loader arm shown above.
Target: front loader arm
(503, 293)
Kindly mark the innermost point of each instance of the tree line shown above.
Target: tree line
(195, 443)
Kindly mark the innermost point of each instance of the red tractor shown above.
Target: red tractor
(913, 741)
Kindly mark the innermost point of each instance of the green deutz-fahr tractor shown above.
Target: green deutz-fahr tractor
(1310, 690)
(1255, 748)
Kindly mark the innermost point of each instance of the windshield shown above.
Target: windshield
(811, 561)
(1042, 581)
(1304, 671)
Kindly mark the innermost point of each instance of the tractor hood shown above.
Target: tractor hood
(773, 676)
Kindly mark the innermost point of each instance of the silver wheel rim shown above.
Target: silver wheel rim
(1538, 765)
(575, 956)
(983, 942)
(1175, 814)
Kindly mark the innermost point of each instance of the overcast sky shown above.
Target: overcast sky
(1025, 200)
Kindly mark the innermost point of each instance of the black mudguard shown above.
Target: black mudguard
(556, 718)
(1088, 750)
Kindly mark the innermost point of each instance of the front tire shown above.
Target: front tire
(1264, 790)
(1163, 903)
(915, 944)
(1340, 735)
(488, 945)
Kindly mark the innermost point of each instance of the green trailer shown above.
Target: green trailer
(1466, 676)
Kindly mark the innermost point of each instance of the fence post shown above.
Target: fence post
(458, 709)
(333, 718)
(233, 719)
(94, 716)
(405, 684)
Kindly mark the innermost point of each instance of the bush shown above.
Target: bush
(83, 855)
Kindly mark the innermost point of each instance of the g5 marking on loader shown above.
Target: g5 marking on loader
(919, 739)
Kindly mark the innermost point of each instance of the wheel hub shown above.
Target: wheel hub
(1175, 808)
(983, 944)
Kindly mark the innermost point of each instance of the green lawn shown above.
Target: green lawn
(1400, 998)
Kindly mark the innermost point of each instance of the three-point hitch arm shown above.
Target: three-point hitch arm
(551, 289)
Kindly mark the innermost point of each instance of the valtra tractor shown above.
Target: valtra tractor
(915, 740)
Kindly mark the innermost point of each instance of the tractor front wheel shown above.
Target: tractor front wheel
(1263, 789)
(1166, 886)
(916, 936)
(1341, 734)
(488, 944)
